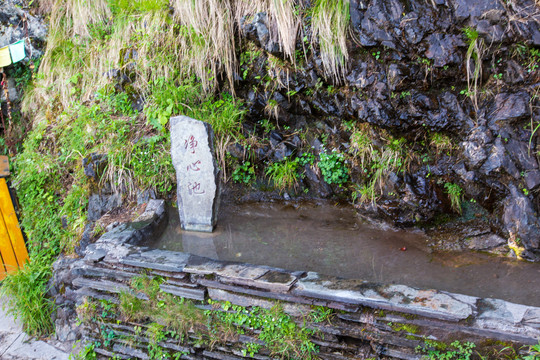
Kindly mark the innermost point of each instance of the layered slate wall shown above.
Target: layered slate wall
(370, 319)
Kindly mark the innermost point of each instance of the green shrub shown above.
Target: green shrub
(333, 168)
(244, 173)
(25, 295)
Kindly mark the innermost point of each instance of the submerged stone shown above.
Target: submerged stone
(192, 153)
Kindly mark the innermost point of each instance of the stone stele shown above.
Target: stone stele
(192, 152)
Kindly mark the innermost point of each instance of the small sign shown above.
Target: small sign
(4, 166)
(192, 152)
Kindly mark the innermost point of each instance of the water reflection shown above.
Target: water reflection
(332, 240)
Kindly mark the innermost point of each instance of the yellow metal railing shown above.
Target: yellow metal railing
(13, 253)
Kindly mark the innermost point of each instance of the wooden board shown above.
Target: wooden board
(6, 248)
(4, 166)
(2, 268)
(10, 232)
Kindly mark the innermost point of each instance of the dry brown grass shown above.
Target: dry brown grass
(283, 18)
(198, 39)
(208, 44)
(330, 23)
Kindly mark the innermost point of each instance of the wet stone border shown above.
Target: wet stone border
(365, 309)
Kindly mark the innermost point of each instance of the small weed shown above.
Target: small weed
(533, 353)
(404, 94)
(321, 314)
(306, 158)
(455, 193)
(284, 174)
(266, 125)
(244, 173)
(441, 142)
(475, 52)
(438, 351)
(333, 168)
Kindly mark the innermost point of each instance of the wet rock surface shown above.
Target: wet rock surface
(409, 76)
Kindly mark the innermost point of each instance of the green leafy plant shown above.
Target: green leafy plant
(284, 174)
(333, 168)
(25, 294)
(533, 353)
(475, 51)
(280, 334)
(168, 317)
(440, 351)
(455, 193)
(244, 173)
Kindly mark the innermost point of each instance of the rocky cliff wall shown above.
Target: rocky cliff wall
(450, 86)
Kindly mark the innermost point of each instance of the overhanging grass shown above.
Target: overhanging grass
(330, 22)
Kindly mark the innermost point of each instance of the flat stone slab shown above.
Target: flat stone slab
(272, 280)
(504, 317)
(101, 285)
(402, 298)
(157, 260)
(192, 152)
(203, 266)
(185, 292)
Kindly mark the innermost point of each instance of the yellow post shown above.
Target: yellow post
(13, 253)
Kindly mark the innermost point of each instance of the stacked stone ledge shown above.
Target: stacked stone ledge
(360, 326)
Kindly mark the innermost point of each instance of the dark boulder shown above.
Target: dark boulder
(521, 223)
(379, 23)
(450, 115)
(94, 165)
(498, 160)
(473, 10)
(507, 107)
(443, 49)
(257, 31)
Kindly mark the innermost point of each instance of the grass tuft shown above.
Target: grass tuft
(330, 22)
(25, 295)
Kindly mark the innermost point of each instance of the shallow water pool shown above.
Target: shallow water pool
(331, 239)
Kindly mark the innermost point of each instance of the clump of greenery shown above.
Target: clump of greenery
(25, 293)
(475, 51)
(333, 168)
(455, 193)
(533, 353)
(168, 317)
(439, 351)
(284, 174)
(376, 162)
(441, 142)
(281, 335)
(244, 173)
